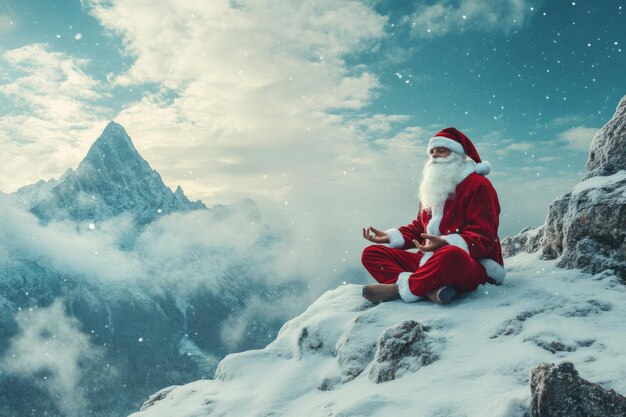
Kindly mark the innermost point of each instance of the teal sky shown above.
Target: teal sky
(528, 81)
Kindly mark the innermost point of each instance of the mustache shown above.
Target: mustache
(446, 160)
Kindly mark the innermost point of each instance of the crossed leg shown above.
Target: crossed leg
(448, 266)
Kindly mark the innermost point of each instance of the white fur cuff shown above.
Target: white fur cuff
(396, 240)
(403, 288)
(456, 240)
(494, 270)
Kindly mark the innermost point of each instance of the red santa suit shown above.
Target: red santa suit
(468, 221)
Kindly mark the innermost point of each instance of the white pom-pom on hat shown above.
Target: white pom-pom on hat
(483, 168)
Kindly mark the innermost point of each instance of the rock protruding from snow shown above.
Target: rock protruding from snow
(607, 153)
(585, 228)
(401, 348)
(558, 391)
(157, 397)
(528, 240)
(112, 179)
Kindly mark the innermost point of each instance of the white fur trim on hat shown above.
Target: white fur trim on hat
(443, 142)
(403, 288)
(396, 240)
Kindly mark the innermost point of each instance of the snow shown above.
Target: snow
(487, 342)
(599, 181)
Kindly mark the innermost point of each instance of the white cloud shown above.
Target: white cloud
(51, 347)
(560, 121)
(248, 108)
(578, 138)
(61, 247)
(449, 16)
(521, 146)
(55, 116)
(257, 75)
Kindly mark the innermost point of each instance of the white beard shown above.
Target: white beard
(439, 180)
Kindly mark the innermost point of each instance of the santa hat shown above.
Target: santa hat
(456, 141)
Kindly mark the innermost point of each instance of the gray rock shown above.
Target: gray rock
(401, 349)
(533, 243)
(607, 153)
(514, 326)
(558, 391)
(512, 245)
(157, 397)
(585, 228)
(527, 240)
(551, 343)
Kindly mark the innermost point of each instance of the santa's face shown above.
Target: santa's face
(440, 177)
(439, 152)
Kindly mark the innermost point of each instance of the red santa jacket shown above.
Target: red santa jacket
(469, 220)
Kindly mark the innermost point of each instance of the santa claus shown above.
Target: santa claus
(455, 232)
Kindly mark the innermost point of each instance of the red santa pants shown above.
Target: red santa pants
(449, 265)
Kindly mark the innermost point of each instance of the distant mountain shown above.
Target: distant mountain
(112, 179)
(161, 302)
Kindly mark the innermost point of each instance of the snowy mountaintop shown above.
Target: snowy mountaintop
(112, 179)
(485, 344)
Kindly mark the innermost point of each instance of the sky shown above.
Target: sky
(319, 110)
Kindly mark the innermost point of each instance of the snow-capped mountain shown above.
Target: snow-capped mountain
(112, 179)
(90, 325)
(484, 355)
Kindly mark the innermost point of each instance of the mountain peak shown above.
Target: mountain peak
(114, 141)
(112, 178)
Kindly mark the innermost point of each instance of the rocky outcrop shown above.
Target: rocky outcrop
(401, 348)
(558, 391)
(607, 153)
(157, 397)
(528, 240)
(585, 228)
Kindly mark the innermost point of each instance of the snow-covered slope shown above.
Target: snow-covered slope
(479, 351)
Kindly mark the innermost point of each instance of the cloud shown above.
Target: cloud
(54, 114)
(521, 146)
(50, 347)
(67, 247)
(257, 99)
(578, 138)
(449, 16)
(245, 89)
(574, 119)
